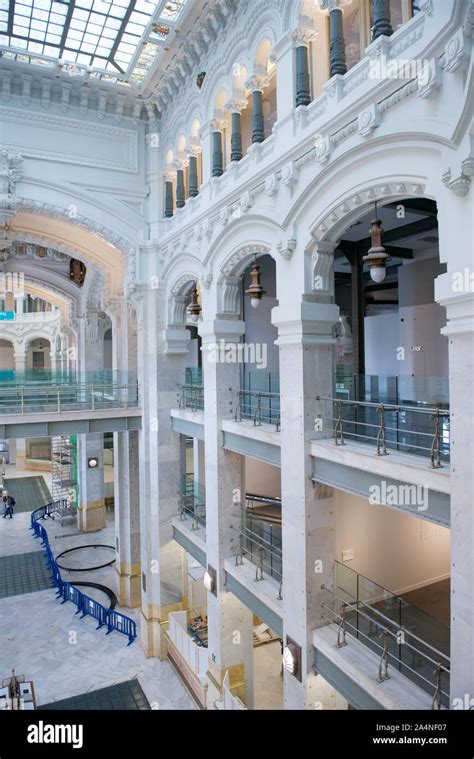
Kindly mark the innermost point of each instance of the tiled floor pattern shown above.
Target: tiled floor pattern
(64, 655)
(128, 695)
(29, 492)
(24, 573)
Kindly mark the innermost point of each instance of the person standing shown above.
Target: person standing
(8, 502)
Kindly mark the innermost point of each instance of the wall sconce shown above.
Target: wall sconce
(194, 309)
(292, 658)
(377, 257)
(255, 291)
(210, 580)
(92, 463)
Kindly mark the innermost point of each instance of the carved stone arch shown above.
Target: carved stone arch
(328, 229)
(114, 254)
(231, 273)
(177, 299)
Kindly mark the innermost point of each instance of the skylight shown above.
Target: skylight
(118, 38)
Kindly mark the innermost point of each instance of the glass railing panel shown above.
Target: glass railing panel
(193, 500)
(416, 641)
(397, 390)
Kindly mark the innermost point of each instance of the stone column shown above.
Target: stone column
(180, 192)
(91, 512)
(306, 367)
(337, 46)
(206, 136)
(454, 291)
(257, 84)
(283, 57)
(20, 358)
(127, 518)
(20, 454)
(223, 504)
(303, 96)
(193, 186)
(160, 469)
(381, 19)
(169, 208)
(236, 106)
(217, 154)
(153, 163)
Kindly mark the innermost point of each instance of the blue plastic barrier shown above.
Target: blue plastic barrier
(114, 620)
(94, 609)
(125, 625)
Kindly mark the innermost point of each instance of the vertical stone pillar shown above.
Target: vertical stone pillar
(193, 186)
(283, 57)
(206, 136)
(223, 503)
(337, 50)
(127, 518)
(381, 19)
(160, 469)
(236, 106)
(169, 208)
(20, 454)
(91, 512)
(257, 84)
(303, 93)
(306, 367)
(217, 154)
(153, 158)
(180, 192)
(20, 359)
(454, 291)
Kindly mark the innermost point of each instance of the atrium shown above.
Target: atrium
(236, 355)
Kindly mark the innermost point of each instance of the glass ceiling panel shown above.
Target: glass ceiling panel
(121, 36)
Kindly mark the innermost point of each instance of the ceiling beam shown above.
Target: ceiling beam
(382, 286)
(362, 246)
(422, 206)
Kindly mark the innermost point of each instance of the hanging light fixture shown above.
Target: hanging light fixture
(377, 257)
(255, 291)
(194, 308)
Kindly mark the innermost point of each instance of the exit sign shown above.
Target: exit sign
(7, 315)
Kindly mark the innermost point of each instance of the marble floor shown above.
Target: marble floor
(64, 655)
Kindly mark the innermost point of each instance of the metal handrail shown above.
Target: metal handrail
(380, 439)
(390, 621)
(264, 547)
(337, 617)
(191, 397)
(254, 412)
(21, 399)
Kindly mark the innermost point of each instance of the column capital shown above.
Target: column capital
(303, 35)
(333, 5)
(213, 330)
(181, 163)
(169, 175)
(306, 322)
(236, 105)
(194, 150)
(218, 124)
(257, 83)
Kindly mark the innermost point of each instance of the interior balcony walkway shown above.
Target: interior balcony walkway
(53, 403)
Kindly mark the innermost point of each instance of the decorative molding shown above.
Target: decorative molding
(368, 120)
(236, 263)
(230, 295)
(10, 173)
(428, 85)
(128, 140)
(287, 248)
(456, 53)
(459, 185)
